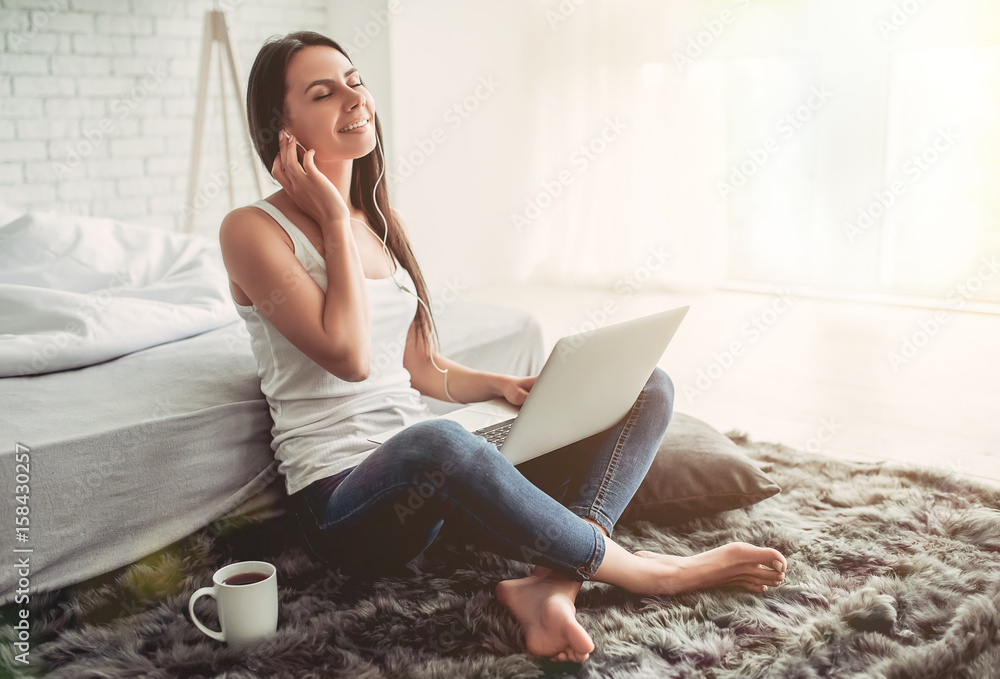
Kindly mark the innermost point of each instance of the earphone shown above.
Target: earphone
(385, 250)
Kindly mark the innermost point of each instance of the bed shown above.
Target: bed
(128, 385)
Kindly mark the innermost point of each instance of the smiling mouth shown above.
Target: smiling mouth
(355, 126)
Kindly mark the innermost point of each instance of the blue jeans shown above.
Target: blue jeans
(375, 518)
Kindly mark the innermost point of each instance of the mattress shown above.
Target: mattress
(132, 454)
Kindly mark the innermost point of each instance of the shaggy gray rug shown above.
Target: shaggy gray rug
(893, 572)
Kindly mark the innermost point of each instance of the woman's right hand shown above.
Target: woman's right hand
(309, 188)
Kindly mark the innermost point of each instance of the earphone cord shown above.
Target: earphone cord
(392, 263)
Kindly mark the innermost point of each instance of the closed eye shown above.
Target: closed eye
(327, 95)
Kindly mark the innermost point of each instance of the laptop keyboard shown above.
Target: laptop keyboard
(496, 433)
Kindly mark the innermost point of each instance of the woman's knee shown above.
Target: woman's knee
(661, 383)
(436, 446)
(660, 387)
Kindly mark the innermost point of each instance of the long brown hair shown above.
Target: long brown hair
(265, 113)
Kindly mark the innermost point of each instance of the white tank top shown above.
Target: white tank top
(321, 422)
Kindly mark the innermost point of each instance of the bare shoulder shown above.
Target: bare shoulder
(246, 216)
(256, 252)
(246, 225)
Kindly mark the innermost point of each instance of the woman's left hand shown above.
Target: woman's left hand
(516, 389)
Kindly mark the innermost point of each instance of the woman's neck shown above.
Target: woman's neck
(339, 173)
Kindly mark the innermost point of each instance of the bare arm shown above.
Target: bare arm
(346, 316)
(464, 384)
(331, 328)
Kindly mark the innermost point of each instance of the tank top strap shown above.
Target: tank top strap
(298, 238)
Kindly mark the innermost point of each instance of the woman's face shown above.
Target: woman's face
(323, 95)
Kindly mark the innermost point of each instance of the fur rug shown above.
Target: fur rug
(893, 572)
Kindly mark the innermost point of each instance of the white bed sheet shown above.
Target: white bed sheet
(133, 454)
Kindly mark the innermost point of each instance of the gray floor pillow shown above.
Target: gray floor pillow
(697, 471)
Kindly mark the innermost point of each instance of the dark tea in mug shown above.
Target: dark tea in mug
(245, 578)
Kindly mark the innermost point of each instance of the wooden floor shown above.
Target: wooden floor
(815, 374)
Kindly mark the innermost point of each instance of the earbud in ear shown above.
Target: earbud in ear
(297, 143)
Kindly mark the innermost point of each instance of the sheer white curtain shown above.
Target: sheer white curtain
(847, 145)
(636, 141)
(581, 166)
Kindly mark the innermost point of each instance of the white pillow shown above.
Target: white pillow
(76, 290)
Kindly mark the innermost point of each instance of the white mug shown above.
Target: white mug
(247, 612)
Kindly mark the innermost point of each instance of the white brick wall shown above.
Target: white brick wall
(97, 103)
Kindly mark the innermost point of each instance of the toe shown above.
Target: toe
(768, 576)
(579, 641)
(777, 561)
(765, 556)
(749, 585)
(756, 579)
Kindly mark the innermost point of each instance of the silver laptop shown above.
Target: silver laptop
(587, 385)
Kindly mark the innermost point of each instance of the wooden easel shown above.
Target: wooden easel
(216, 30)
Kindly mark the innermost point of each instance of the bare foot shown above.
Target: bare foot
(738, 563)
(543, 604)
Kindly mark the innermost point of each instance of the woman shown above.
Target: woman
(323, 274)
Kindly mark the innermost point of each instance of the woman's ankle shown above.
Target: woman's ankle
(540, 571)
(628, 571)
